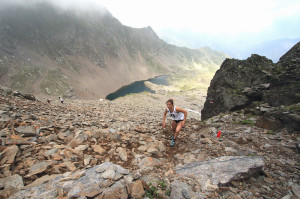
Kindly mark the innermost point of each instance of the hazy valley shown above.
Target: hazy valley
(241, 138)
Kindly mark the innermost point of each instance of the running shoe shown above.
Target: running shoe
(172, 137)
(172, 142)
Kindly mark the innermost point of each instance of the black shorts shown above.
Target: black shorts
(177, 121)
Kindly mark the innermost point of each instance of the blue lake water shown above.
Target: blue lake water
(138, 87)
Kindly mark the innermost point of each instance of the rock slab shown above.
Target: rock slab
(222, 170)
(86, 183)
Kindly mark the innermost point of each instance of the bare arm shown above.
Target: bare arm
(164, 119)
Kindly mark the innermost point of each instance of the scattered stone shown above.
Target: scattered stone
(137, 189)
(112, 130)
(122, 153)
(26, 131)
(140, 129)
(149, 162)
(79, 138)
(41, 180)
(15, 181)
(9, 154)
(142, 148)
(38, 167)
(98, 149)
(296, 190)
(241, 140)
(109, 174)
(181, 190)
(81, 147)
(87, 159)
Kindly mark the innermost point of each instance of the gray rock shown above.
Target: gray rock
(87, 159)
(117, 190)
(181, 190)
(78, 184)
(296, 190)
(9, 154)
(115, 137)
(15, 181)
(292, 122)
(112, 130)
(149, 162)
(79, 138)
(222, 170)
(122, 153)
(26, 131)
(50, 152)
(38, 167)
(109, 174)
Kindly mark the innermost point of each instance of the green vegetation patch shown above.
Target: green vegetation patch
(154, 189)
(24, 79)
(294, 107)
(54, 83)
(142, 93)
(190, 80)
(248, 121)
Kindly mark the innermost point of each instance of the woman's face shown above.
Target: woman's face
(169, 105)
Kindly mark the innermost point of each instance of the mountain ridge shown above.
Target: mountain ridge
(48, 51)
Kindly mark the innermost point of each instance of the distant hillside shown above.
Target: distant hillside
(273, 49)
(46, 50)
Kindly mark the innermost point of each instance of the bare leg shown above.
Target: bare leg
(178, 128)
(174, 125)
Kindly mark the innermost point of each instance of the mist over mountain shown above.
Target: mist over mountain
(236, 47)
(48, 48)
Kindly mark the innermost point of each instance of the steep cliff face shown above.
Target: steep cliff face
(285, 82)
(49, 50)
(239, 83)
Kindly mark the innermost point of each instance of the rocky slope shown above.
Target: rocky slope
(257, 81)
(117, 149)
(49, 50)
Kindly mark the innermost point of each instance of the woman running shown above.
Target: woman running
(179, 117)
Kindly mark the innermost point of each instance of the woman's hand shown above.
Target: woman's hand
(183, 123)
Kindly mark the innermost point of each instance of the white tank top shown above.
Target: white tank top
(175, 115)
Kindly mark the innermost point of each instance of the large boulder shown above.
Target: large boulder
(285, 82)
(236, 84)
(222, 170)
(239, 83)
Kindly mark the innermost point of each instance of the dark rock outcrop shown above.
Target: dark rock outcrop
(285, 83)
(236, 84)
(239, 83)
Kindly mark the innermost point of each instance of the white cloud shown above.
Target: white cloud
(216, 16)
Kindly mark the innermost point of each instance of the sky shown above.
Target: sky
(215, 16)
(223, 24)
(226, 25)
(230, 17)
